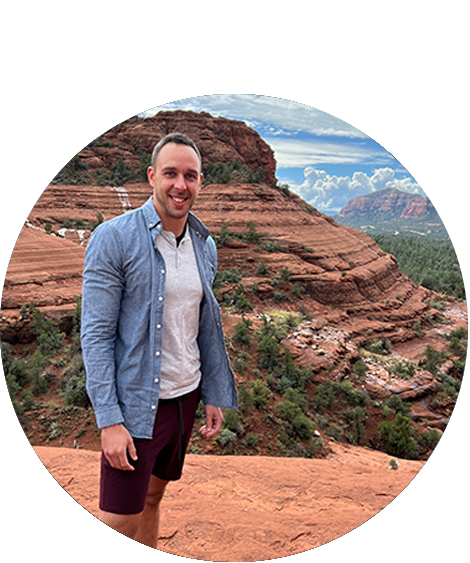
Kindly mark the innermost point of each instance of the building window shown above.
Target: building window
(12, 147)
(31, 156)
(31, 102)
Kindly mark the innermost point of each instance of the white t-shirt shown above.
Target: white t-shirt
(181, 364)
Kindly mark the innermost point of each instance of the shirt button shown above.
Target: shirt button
(159, 327)
(156, 380)
(163, 271)
(160, 298)
(157, 353)
(153, 407)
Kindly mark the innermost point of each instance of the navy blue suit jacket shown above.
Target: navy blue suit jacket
(39, 521)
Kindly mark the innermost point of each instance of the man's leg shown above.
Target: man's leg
(126, 524)
(147, 532)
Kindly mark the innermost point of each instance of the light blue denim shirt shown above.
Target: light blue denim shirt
(122, 321)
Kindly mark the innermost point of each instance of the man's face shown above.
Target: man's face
(175, 179)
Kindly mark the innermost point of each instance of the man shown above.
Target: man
(152, 340)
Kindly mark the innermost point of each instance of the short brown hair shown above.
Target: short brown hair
(178, 139)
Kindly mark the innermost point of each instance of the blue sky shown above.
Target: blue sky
(322, 158)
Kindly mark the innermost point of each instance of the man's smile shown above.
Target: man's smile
(178, 200)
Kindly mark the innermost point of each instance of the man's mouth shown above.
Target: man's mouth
(178, 200)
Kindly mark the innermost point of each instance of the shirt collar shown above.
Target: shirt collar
(153, 220)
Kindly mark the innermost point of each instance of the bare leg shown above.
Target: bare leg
(126, 524)
(147, 531)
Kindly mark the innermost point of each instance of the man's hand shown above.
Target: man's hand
(214, 419)
(115, 443)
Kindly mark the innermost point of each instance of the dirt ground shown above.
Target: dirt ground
(250, 508)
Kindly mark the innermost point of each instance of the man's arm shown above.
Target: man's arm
(103, 284)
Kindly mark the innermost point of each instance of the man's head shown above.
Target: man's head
(175, 176)
(177, 139)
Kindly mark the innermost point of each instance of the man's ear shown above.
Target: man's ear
(151, 176)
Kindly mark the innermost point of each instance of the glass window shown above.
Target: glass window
(13, 202)
(31, 101)
(31, 155)
(11, 101)
(12, 147)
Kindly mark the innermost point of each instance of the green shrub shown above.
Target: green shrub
(245, 399)
(252, 440)
(232, 422)
(226, 438)
(260, 393)
(262, 270)
(356, 419)
(74, 387)
(403, 368)
(360, 368)
(226, 277)
(242, 334)
(269, 348)
(397, 404)
(252, 235)
(429, 439)
(398, 434)
(296, 421)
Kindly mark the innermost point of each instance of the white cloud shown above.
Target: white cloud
(278, 115)
(330, 193)
(293, 153)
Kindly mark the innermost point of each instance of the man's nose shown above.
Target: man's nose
(179, 182)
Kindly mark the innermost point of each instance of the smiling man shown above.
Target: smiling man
(152, 340)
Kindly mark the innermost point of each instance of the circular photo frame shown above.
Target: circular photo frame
(343, 308)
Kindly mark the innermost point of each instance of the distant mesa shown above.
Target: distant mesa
(391, 210)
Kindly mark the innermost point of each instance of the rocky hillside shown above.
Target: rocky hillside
(327, 337)
(391, 210)
(122, 154)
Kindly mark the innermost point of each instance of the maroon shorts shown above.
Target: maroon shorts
(124, 492)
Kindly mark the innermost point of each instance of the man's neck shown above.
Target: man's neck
(174, 225)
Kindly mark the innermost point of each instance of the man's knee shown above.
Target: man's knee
(155, 493)
(126, 524)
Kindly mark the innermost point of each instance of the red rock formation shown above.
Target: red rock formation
(218, 139)
(385, 205)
